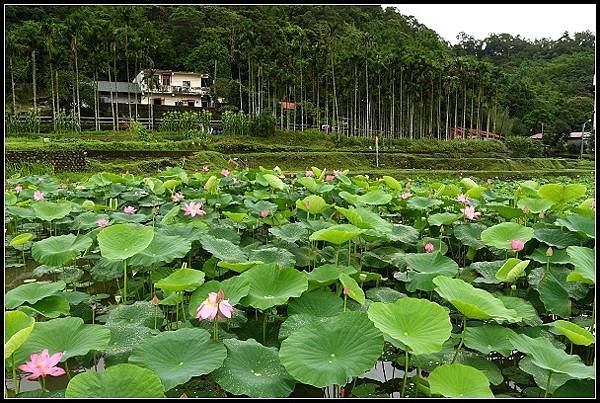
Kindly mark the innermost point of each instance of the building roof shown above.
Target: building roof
(119, 86)
(537, 136)
(571, 136)
(194, 73)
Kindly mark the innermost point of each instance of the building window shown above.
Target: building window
(205, 82)
(157, 101)
(191, 103)
(166, 79)
(178, 103)
(186, 84)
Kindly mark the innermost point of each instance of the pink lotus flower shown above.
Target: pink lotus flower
(470, 213)
(213, 306)
(429, 247)
(205, 168)
(129, 210)
(405, 195)
(42, 365)
(549, 251)
(18, 188)
(329, 178)
(517, 245)
(37, 195)
(264, 213)
(177, 197)
(103, 222)
(526, 210)
(225, 172)
(309, 173)
(462, 198)
(193, 209)
(183, 396)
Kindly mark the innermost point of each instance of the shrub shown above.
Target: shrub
(262, 125)
(27, 122)
(235, 124)
(139, 131)
(184, 121)
(64, 123)
(521, 147)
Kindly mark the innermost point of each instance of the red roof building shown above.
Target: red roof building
(463, 132)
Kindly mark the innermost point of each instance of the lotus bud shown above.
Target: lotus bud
(513, 287)
(517, 245)
(346, 291)
(526, 209)
(183, 396)
(542, 214)
(118, 299)
(154, 300)
(429, 247)
(549, 251)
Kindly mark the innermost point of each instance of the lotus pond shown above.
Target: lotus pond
(323, 284)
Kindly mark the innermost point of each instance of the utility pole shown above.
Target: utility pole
(582, 135)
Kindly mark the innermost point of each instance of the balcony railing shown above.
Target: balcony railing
(178, 89)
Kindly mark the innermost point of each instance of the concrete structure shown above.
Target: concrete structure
(572, 137)
(175, 88)
(119, 92)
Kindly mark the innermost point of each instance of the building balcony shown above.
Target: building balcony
(177, 89)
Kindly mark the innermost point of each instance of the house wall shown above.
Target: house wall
(168, 99)
(120, 98)
(177, 79)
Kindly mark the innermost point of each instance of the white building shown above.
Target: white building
(175, 88)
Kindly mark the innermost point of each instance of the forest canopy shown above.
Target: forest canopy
(365, 67)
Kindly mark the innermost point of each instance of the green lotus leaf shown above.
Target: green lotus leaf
(17, 328)
(88, 220)
(468, 183)
(489, 338)
(323, 354)
(500, 235)
(384, 294)
(49, 211)
(422, 203)
(472, 302)
(313, 204)
(211, 184)
(162, 249)
(234, 289)
(376, 197)
(578, 223)
(431, 263)
(524, 309)
(67, 335)
(366, 219)
(278, 256)
(223, 249)
(122, 341)
(308, 183)
(470, 234)
(540, 375)
(275, 182)
(546, 356)
(329, 273)
(557, 193)
(59, 250)
(49, 307)
(354, 290)
(319, 303)
(337, 234)
(177, 356)
(253, 370)
(402, 233)
(350, 198)
(182, 280)
(121, 380)
(271, 286)
(458, 380)
(392, 183)
(585, 264)
(290, 232)
(556, 237)
(21, 239)
(552, 292)
(238, 267)
(140, 313)
(576, 388)
(443, 218)
(505, 211)
(31, 293)
(535, 205)
(295, 322)
(421, 325)
(121, 241)
(171, 184)
(575, 333)
(237, 218)
(512, 269)
(559, 256)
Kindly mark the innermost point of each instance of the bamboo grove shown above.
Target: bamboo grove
(361, 70)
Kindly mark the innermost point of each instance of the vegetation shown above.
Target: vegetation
(468, 288)
(361, 70)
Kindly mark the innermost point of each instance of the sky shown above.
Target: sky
(531, 21)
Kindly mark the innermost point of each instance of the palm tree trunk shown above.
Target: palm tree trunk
(464, 121)
(52, 95)
(127, 71)
(401, 110)
(392, 120)
(112, 100)
(77, 87)
(34, 81)
(57, 91)
(96, 122)
(12, 84)
(115, 83)
(335, 100)
(240, 86)
(367, 84)
(455, 110)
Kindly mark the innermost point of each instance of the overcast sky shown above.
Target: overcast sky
(531, 21)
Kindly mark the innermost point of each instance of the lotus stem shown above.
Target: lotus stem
(337, 257)
(418, 376)
(216, 329)
(182, 306)
(125, 281)
(264, 328)
(548, 383)
(177, 313)
(462, 339)
(43, 383)
(16, 385)
(67, 369)
(571, 350)
(24, 260)
(155, 307)
(349, 245)
(405, 373)
(345, 298)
